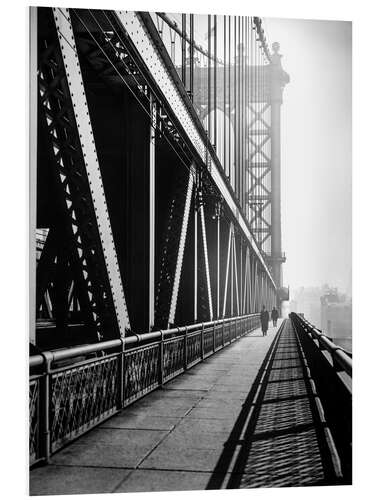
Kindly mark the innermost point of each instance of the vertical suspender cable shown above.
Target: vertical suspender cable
(229, 103)
(225, 165)
(235, 108)
(209, 81)
(215, 83)
(191, 57)
(183, 50)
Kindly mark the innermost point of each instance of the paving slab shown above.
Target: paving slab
(159, 480)
(182, 438)
(172, 439)
(138, 420)
(167, 456)
(215, 413)
(110, 448)
(62, 480)
(195, 425)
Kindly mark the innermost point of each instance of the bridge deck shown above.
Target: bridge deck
(246, 417)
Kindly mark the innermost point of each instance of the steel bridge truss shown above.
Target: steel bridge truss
(139, 227)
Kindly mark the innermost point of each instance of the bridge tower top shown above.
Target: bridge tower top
(279, 78)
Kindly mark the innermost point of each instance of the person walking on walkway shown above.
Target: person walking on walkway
(274, 316)
(264, 320)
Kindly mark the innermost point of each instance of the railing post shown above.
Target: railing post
(185, 350)
(214, 338)
(46, 407)
(235, 328)
(202, 342)
(122, 373)
(337, 367)
(161, 365)
(222, 333)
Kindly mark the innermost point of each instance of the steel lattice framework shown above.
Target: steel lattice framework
(156, 171)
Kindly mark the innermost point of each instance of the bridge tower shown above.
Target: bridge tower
(264, 166)
(278, 81)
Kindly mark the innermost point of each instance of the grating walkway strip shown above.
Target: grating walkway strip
(287, 442)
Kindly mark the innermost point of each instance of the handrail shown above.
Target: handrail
(130, 341)
(103, 385)
(339, 355)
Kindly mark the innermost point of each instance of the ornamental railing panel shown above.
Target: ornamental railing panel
(73, 390)
(82, 397)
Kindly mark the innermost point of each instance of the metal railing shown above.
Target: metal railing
(341, 359)
(74, 389)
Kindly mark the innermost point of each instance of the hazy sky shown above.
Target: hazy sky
(316, 150)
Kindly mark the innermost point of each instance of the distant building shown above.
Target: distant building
(327, 309)
(336, 318)
(307, 300)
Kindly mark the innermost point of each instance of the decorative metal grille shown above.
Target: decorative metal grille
(233, 330)
(226, 333)
(193, 348)
(219, 339)
(142, 368)
(81, 397)
(173, 362)
(241, 325)
(34, 398)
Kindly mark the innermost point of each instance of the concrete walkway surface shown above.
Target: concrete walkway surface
(172, 439)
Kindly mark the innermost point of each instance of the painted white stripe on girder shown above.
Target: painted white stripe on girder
(203, 224)
(181, 249)
(227, 270)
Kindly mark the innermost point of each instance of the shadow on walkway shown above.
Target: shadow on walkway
(280, 437)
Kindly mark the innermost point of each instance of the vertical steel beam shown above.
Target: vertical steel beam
(241, 275)
(244, 292)
(208, 280)
(236, 274)
(151, 302)
(218, 266)
(33, 141)
(231, 276)
(247, 287)
(249, 306)
(227, 270)
(181, 249)
(195, 265)
(82, 116)
(252, 285)
(256, 287)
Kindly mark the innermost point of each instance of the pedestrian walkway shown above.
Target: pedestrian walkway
(245, 417)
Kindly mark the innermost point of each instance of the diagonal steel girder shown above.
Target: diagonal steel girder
(258, 115)
(82, 116)
(181, 248)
